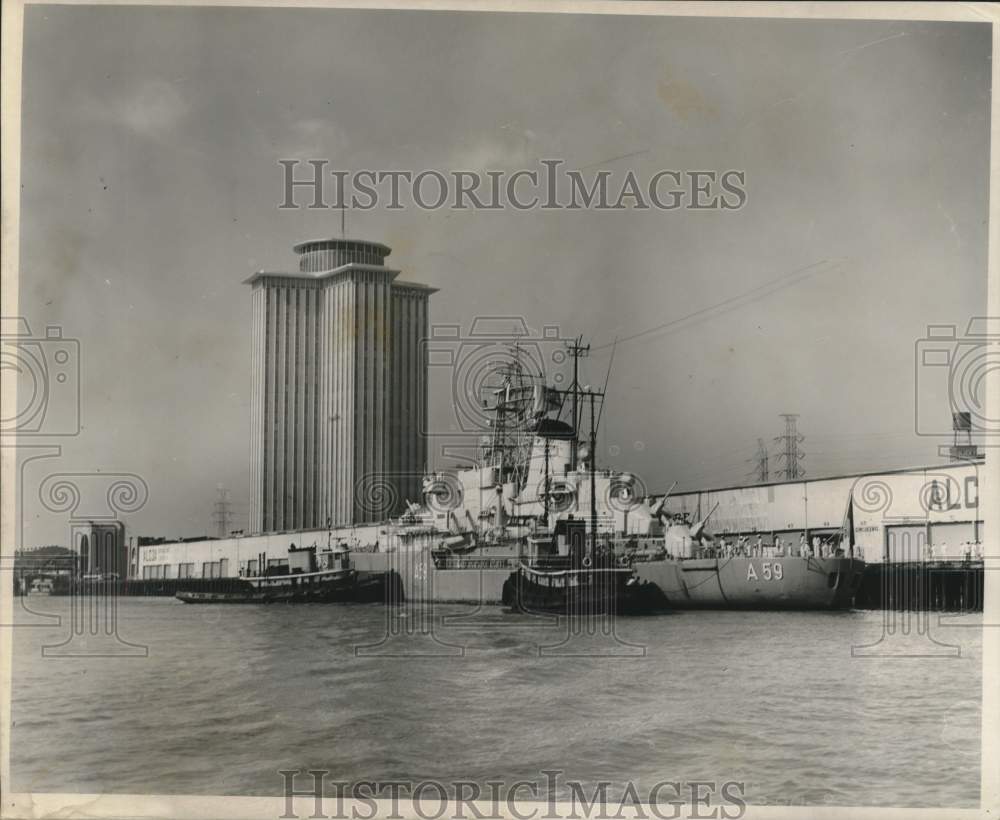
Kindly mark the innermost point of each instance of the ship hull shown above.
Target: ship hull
(576, 592)
(755, 583)
(332, 588)
(705, 583)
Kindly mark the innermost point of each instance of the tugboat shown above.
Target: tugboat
(560, 575)
(308, 578)
(564, 570)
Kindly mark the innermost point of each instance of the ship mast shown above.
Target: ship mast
(545, 499)
(577, 350)
(510, 444)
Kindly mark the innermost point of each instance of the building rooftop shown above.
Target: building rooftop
(952, 465)
(321, 274)
(339, 244)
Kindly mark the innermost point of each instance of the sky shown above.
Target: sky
(150, 190)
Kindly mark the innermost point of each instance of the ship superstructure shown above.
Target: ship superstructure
(532, 469)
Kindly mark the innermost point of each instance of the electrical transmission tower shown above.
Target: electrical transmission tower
(791, 455)
(760, 472)
(223, 513)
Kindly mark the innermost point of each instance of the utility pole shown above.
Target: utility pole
(577, 350)
(760, 471)
(223, 514)
(547, 487)
(593, 481)
(791, 454)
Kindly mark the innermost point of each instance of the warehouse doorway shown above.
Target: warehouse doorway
(904, 543)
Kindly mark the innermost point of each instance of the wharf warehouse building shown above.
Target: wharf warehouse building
(339, 400)
(925, 513)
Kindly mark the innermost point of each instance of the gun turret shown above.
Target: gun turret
(697, 528)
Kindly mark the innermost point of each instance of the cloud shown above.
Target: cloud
(509, 147)
(153, 108)
(311, 137)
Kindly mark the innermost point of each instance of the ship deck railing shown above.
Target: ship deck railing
(459, 562)
(573, 577)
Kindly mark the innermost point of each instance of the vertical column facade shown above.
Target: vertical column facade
(372, 483)
(406, 416)
(258, 389)
(339, 389)
(337, 385)
(284, 471)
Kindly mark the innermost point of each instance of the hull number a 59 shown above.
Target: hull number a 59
(769, 570)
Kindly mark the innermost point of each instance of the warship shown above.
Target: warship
(535, 523)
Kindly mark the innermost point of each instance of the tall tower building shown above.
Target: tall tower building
(339, 395)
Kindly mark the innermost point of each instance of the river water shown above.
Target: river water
(216, 700)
